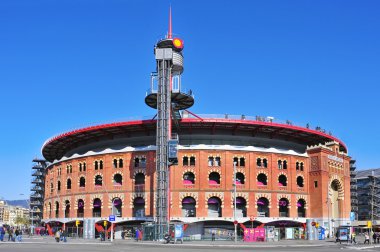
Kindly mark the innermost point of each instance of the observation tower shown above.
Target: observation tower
(166, 96)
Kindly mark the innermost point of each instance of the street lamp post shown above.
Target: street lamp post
(372, 177)
(235, 224)
(113, 205)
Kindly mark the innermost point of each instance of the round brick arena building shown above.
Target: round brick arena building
(285, 174)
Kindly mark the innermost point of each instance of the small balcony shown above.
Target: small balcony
(38, 167)
(262, 187)
(36, 188)
(283, 188)
(37, 173)
(36, 203)
(301, 189)
(37, 181)
(139, 188)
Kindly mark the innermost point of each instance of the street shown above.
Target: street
(95, 246)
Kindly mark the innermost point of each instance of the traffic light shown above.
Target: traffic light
(317, 225)
(77, 222)
(105, 223)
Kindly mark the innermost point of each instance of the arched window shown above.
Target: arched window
(297, 166)
(214, 178)
(192, 161)
(283, 204)
(185, 161)
(139, 207)
(265, 163)
(279, 164)
(49, 210)
(241, 207)
(137, 162)
(240, 179)
(84, 166)
(82, 182)
(121, 163)
(188, 207)
(117, 206)
(217, 161)
(67, 209)
(258, 162)
(56, 209)
(282, 180)
(263, 207)
(143, 162)
(101, 164)
(188, 178)
(96, 165)
(98, 180)
(97, 208)
(300, 181)
(262, 179)
(51, 187)
(236, 161)
(210, 161)
(59, 186)
(301, 166)
(68, 185)
(80, 167)
(242, 162)
(285, 164)
(139, 178)
(80, 211)
(115, 163)
(117, 179)
(301, 208)
(139, 182)
(214, 207)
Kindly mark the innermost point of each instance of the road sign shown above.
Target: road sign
(111, 218)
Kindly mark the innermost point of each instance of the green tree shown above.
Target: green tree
(22, 221)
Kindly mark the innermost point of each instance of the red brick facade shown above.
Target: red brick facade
(317, 167)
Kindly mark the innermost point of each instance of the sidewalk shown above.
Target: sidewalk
(215, 244)
(240, 244)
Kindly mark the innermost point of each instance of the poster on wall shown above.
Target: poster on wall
(289, 233)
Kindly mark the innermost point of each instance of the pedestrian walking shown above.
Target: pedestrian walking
(353, 237)
(137, 235)
(366, 238)
(374, 238)
(2, 233)
(63, 235)
(18, 235)
(57, 236)
(10, 234)
(337, 238)
(378, 237)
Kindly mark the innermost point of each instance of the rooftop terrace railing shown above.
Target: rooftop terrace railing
(186, 114)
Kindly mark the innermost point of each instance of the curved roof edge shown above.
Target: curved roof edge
(89, 132)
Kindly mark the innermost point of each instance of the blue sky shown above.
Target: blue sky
(67, 64)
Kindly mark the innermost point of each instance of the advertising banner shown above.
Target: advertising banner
(178, 231)
(343, 234)
(254, 234)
